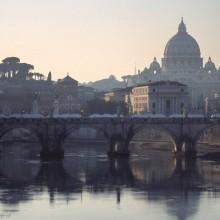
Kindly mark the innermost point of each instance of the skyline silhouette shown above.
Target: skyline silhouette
(93, 39)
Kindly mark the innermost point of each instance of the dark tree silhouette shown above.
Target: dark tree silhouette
(35, 76)
(49, 77)
(11, 68)
(24, 69)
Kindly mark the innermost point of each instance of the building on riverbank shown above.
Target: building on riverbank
(162, 97)
(19, 86)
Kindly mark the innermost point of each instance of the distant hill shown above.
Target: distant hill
(106, 84)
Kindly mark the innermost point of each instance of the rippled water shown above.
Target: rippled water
(87, 185)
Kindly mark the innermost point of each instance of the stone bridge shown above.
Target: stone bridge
(118, 132)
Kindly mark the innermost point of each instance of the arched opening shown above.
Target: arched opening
(151, 158)
(85, 140)
(85, 153)
(150, 139)
(19, 143)
(207, 142)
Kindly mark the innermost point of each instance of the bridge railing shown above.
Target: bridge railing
(127, 119)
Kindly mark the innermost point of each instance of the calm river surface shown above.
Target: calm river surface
(88, 185)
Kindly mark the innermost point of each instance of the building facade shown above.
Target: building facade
(117, 95)
(162, 97)
(67, 94)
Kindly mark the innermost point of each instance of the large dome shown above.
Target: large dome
(182, 53)
(182, 44)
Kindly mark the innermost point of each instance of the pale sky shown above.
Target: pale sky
(91, 39)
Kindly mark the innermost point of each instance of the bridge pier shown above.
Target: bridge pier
(185, 166)
(52, 147)
(185, 147)
(52, 139)
(51, 155)
(118, 147)
(52, 150)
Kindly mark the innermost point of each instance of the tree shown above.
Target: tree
(24, 69)
(49, 77)
(11, 68)
(35, 76)
(11, 60)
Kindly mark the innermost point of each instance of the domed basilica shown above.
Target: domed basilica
(182, 62)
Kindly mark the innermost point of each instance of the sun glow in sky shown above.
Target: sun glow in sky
(91, 39)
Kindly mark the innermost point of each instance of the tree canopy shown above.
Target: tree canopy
(12, 68)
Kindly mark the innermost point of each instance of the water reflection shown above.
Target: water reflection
(176, 187)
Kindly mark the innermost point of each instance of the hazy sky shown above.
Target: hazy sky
(92, 39)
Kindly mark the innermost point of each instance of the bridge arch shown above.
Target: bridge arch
(31, 131)
(21, 140)
(85, 132)
(163, 129)
(203, 130)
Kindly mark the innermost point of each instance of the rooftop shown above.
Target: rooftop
(161, 83)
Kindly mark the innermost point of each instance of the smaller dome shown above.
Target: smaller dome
(210, 66)
(155, 66)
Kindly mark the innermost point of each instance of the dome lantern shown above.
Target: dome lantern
(182, 27)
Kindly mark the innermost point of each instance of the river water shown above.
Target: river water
(151, 184)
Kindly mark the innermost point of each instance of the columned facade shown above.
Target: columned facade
(163, 97)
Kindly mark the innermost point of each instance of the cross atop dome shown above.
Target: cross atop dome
(182, 27)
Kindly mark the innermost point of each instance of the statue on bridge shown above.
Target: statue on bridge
(56, 107)
(35, 106)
